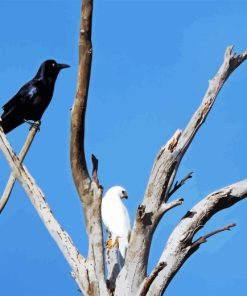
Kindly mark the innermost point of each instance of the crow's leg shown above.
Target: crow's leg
(32, 123)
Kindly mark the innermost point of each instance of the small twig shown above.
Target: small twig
(95, 169)
(165, 207)
(203, 239)
(177, 185)
(151, 278)
(11, 182)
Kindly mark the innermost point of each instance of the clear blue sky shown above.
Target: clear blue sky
(151, 65)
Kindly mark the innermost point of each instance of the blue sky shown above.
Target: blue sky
(151, 65)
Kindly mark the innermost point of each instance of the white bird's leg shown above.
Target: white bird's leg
(110, 243)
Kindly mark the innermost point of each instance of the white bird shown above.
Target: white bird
(116, 218)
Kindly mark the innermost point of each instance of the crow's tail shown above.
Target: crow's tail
(9, 122)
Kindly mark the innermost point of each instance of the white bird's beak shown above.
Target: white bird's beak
(125, 194)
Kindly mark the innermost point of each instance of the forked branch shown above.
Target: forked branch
(162, 177)
(11, 182)
(180, 245)
(203, 239)
(37, 198)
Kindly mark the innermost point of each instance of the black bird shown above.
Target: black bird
(33, 98)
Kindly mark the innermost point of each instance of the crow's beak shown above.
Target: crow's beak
(62, 66)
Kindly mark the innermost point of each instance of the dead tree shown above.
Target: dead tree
(89, 271)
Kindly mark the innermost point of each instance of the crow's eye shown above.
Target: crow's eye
(53, 65)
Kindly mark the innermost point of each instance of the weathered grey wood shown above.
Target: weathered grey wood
(161, 179)
(11, 181)
(180, 245)
(132, 280)
(37, 198)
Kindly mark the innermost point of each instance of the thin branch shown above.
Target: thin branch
(11, 182)
(37, 198)
(179, 184)
(95, 170)
(203, 239)
(165, 207)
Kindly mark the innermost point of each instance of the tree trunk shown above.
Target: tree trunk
(131, 278)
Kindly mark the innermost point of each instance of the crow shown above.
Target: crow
(30, 102)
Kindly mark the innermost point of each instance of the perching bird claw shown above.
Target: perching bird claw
(110, 243)
(33, 124)
(36, 125)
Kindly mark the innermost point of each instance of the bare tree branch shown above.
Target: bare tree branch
(37, 198)
(148, 281)
(77, 151)
(89, 190)
(179, 184)
(11, 182)
(161, 179)
(165, 207)
(203, 239)
(180, 245)
(231, 62)
(135, 267)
